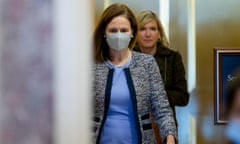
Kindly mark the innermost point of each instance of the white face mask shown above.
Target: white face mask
(118, 41)
(233, 131)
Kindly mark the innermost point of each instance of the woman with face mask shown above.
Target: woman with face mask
(128, 85)
(152, 40)
(233, 110)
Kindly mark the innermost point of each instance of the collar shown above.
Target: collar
(162, 51)
(132, 63)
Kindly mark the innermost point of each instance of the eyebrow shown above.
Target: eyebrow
(116, 29)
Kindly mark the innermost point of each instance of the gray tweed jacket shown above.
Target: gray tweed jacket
(147, 94)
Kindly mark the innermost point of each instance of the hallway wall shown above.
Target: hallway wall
(217, 25)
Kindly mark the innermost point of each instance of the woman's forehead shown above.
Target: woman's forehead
(149, 22)
(119, 21)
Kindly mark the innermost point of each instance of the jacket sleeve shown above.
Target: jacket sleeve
(161, 110)
(177, 92)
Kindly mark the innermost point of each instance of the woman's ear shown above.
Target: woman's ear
(160, 38)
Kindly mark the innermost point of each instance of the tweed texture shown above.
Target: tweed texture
(150, 96)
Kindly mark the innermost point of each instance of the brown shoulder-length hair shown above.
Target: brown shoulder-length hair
(145, 17)
(101, 48)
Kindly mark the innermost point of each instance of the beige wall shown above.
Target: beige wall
(217, 25)
(135, 5)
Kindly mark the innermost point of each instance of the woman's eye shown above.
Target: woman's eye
(124, 30)
(153, 29)
(113, 30)
(142, 29)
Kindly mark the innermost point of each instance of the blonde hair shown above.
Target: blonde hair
(145, 17)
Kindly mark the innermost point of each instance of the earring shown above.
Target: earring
(160, 39)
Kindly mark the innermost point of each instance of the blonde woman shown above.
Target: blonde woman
(152, 40)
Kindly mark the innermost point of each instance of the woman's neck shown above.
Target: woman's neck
(148, 50)
(119, 58)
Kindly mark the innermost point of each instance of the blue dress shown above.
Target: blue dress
(119, 127)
